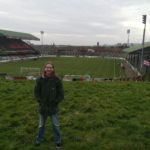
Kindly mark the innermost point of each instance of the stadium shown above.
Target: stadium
(106, 102)
(100, 50)
(17, 46)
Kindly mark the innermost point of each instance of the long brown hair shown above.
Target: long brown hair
(43, 70)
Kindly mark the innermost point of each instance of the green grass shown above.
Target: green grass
(96, 67)
(93, 116)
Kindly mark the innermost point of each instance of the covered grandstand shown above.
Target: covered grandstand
(12, 44)
(134, 58)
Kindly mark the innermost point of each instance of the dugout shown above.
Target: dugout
(3, 74)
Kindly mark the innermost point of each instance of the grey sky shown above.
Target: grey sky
(77, 22)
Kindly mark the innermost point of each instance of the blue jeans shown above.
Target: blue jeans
(55, 126)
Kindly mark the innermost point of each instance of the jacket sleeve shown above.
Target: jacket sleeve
(60, 92)
(37, 90)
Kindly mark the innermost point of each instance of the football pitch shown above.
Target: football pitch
(95, 67)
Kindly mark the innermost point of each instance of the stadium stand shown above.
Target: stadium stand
(12, 44)
(134, 58)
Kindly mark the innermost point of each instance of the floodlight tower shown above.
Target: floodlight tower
(128, 32)
(42, 34)
(142, 52)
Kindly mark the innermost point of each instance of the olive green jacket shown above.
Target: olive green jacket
(48, 93)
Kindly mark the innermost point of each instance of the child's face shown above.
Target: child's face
(49, 69)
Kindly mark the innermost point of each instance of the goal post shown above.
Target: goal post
(30, 71)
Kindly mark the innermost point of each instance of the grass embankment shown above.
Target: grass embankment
(93, 116)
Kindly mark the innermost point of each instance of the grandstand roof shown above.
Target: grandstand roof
(18, 35)
(136, 47)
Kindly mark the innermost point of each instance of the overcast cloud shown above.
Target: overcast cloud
(77, 22)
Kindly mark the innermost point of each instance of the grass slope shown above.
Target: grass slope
(96, 67)
(93, 116)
